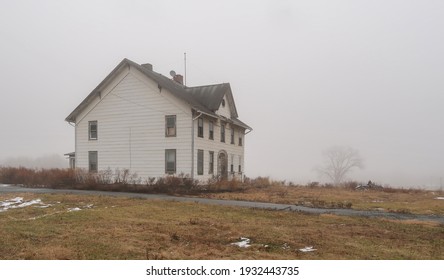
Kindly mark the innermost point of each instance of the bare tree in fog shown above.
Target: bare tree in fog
(338, 162)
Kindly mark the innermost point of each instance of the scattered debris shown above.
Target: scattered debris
(307, 249)
(439, 197)
(285, 246)
(244, 243)
(369, 186)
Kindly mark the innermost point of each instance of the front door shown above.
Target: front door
(222, 165)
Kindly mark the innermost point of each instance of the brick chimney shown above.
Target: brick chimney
(178, 79)
(148, 66)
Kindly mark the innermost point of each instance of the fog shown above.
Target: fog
(306, 75)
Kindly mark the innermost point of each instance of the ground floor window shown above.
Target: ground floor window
(92, 161)
(211, 163)
(200, 162)
(240, 164)
(170, 161)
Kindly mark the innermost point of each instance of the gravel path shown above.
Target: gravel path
(237, 203)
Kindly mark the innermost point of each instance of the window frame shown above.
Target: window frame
(211, 162)
(200, 127)
(200, 162)
(222, 132)
(167, 134)
(211, 130)
(91, 156)
(91, 131)
(167, 170)
(232, 136)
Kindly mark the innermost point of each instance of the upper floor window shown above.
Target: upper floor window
(200, 128)
(92, 130)
(240, 139)
(232, 136)
(211, 131)
(170, 126)
(222, 132)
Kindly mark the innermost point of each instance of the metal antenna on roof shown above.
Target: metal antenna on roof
(185, 63)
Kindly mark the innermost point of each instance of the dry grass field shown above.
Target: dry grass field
(412, 201)
(98, 227)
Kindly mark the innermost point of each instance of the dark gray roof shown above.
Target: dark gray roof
(205, 99)
(210, 96)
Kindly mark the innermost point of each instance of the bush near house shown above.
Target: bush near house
(109, 180)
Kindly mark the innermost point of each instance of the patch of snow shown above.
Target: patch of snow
(244, 243)
(377, 201)
(29, 203)
(12, 201)
(439, 197)
(89, 206)
(44, 206)
(307, 249)
(18, 202)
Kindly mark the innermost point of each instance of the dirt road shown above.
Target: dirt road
(235, 203)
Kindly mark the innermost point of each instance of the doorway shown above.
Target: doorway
(222, 165)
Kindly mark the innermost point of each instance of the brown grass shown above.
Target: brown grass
(414, 201)
(123, 228)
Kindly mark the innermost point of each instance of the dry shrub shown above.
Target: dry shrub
(403, 190)
(350, 185)
(215, 185)
(38, 177)
(259, 182)
(181, 184)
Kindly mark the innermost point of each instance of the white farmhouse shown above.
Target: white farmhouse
(140, 120)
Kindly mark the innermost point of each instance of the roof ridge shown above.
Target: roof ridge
(208, 85)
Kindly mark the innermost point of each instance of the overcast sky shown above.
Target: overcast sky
(306, 75)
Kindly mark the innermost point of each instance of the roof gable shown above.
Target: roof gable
(211, 96)
(205, 99)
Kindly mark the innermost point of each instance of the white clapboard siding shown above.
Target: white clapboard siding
(216, 146)
(131, 127)
(224, 110)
